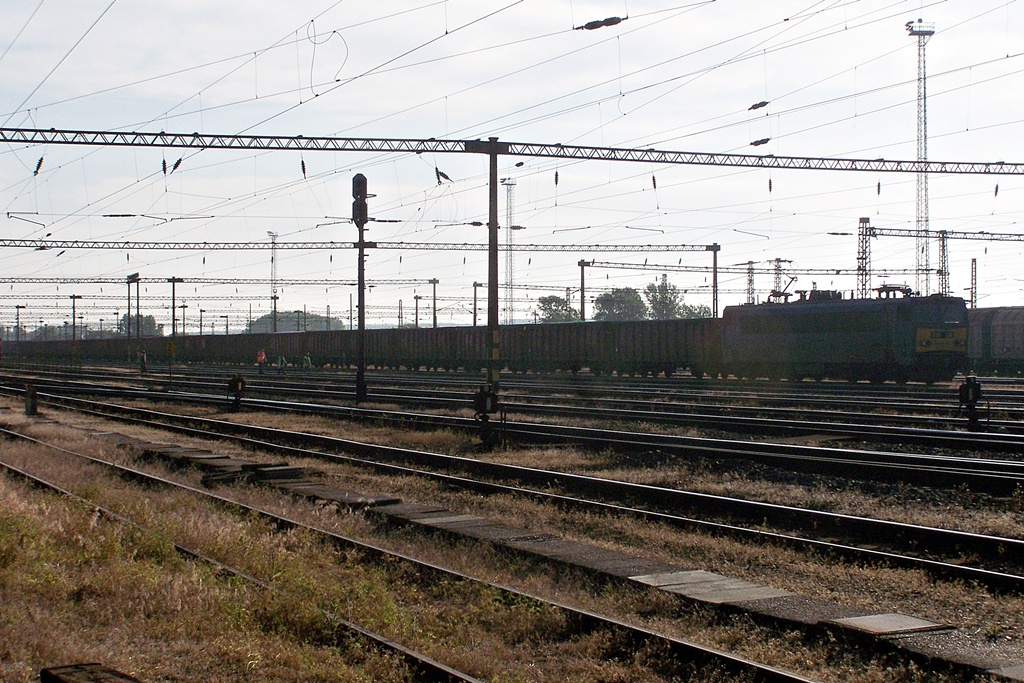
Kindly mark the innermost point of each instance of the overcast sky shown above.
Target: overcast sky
(840, 80)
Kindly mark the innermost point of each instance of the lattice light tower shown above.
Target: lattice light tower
(510, 212)
(922, 32)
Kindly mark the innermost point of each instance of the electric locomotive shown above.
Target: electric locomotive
(823, 335)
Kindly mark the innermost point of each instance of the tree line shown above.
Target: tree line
(660, 301)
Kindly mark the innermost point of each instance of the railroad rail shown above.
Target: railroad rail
(1001, 435)
(682, 653)
(983, 475)
(939, 551)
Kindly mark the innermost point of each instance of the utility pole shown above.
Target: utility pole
(583, 291)
(416, 319)
(17, 323)
(174, 320)
(133, 278)
(201, 311)
(433, 306)
(74, 298)
(273, 276)
(183, 307)
(138, 315)
(475, 286)
(493, 357)
(715, 248)
(128, 322)
(922, 32)
(225, 325)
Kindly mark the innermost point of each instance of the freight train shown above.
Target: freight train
(996, 342)
(821, 336)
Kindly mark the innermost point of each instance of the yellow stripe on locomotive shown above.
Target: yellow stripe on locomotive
(948, 339)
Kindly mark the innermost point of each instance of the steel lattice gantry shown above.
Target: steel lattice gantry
(42, 245)
(197, 280)
(37, 136)
(944, 236)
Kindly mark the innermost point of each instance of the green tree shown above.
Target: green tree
(663, 300)
(150, 327)
(292, 321)
(622, 303)
(555, 309)
(698, 311)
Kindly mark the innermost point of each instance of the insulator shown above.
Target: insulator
(165, 166)
(39, 165)
(600, 23)
(654, 182)
(176, 165)
(762, 103)
(302, 162)
(997, 191)
(769, 184)
(556, 178)
(879, 190)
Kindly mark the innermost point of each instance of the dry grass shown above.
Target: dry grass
(75, 587)
(122, 597)
(867, 587)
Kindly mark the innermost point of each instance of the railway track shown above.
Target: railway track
(943, 552)
(1004, 395)
(1000, 477)
(933, 432)
(678, 658)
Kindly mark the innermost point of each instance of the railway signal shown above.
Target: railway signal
(360, 216)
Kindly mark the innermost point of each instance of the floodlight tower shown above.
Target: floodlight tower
(510, 207)
(922, 32)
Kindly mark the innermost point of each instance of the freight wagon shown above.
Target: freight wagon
(909, 338)
(996, 343)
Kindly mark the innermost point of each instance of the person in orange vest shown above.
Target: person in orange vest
(261, 358)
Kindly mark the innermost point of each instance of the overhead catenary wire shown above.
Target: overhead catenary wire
(663, 183)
